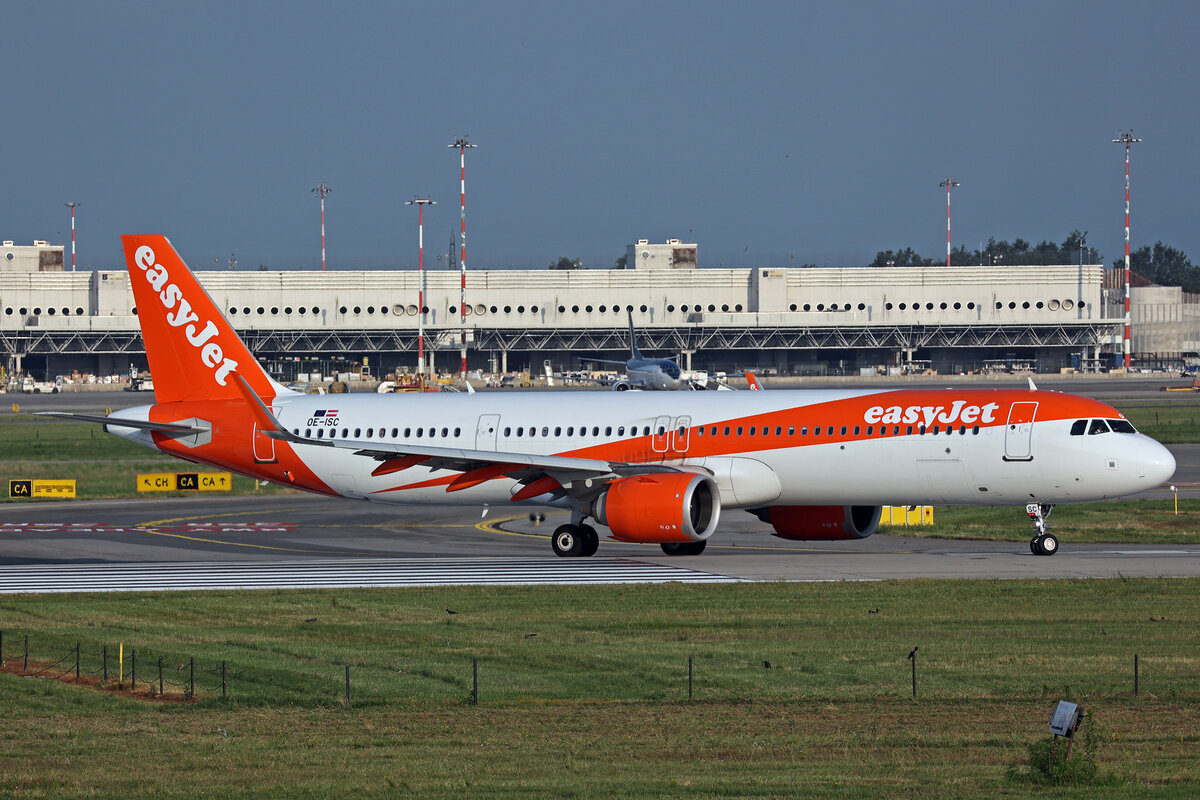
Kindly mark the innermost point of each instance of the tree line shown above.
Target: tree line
(1158, 263)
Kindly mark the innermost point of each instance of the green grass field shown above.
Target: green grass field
(596, 703)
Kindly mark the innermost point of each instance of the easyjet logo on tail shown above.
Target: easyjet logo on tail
(181, 315)
(960, 411)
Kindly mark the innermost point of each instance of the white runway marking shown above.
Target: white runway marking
(340, 573)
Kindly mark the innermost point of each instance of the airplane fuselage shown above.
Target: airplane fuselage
(981, 447)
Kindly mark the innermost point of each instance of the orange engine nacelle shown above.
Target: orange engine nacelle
(814, 523)
(658, 508)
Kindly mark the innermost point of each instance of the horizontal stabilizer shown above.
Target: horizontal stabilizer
(102, 419)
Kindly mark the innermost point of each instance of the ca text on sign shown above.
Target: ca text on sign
(184, 482)
(44, 489)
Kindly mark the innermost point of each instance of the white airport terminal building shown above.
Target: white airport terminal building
(774, 319)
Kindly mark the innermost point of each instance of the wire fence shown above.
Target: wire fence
(505, 679)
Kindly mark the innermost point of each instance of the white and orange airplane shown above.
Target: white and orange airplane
(654, 467)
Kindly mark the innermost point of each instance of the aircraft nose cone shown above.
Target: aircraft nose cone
(1157, 464)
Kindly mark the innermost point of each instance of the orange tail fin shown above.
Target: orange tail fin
(192, 350)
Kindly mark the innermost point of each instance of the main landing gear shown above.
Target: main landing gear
(1043, 542)
(683, 548)
(573, 541)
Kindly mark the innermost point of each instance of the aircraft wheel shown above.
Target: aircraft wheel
(1049, 544)
(567, 541)
(1035, 546)
(591, 540)
(683, 548)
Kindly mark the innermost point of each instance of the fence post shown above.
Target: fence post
(1, 648)
(689, 677)
(347, 686)
(192, 677)
(912, 656)
(1135, 675)
(133, 670)
(77, 661)
(160, 680)
(474, 681)
(104, 655)
(222, 679)
(25, 662)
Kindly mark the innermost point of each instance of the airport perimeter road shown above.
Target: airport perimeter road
(275, 535)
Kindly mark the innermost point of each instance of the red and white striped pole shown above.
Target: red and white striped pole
(420, 203)
(73, 206)
(1127, 138)
(462, 144)
(948, 183)
(322, 189)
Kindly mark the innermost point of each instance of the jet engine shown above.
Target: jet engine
(660, 508)
(621, 386)
(820, 523)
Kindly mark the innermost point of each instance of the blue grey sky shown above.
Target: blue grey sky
(776, 133)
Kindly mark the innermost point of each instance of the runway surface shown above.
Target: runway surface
(296, 541)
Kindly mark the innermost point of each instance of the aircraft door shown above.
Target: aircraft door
(680, 433)
(486, 431)
(1019, 432)
(661, 434)
(263, 445)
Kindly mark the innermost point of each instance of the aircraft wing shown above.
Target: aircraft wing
(476, 465)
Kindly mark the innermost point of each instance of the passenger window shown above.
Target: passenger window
(408, 432)
(817, 431)
(856, 430)
(646, 430)
(620, 430)
(570, 430)
(1121, 426)
(778, 430)
(751, 430)
(920, 430)
(726, 430)
(445, 432)
(345, 431)
(595, 430)
(1078, 427)
(804, 430)
(975, 431)
(521, 431)
(370, 433)
(829, 430)
(457, 432)
(739, 430)
(843, 430)
(870, 429)
(935, 430)
(558, 431)
(712, 431)
(909, 431)
(1097, 426)
(396, 431)
(507, 432)
(791, 430)
(420, 432)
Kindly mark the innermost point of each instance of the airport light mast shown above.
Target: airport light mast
(1126, 138)
(73, 206)
(320, 190)
(462, 144)
(420, 203)
(948, 183)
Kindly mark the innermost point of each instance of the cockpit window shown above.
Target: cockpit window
(1078, 427)
(1097, 426)
(1121, 426)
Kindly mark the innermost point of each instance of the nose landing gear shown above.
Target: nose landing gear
(1043, 542)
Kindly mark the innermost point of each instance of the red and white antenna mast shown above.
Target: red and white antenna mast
(1126, 138)
(462, 144)
(948, 183)
(73, 206)
(320, 190)
(420, 203)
